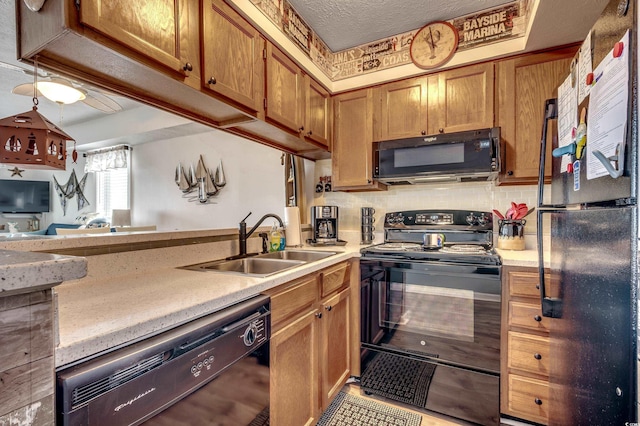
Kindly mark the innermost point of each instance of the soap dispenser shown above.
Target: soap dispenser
(274, 238)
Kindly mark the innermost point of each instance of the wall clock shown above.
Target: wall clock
(434, 44)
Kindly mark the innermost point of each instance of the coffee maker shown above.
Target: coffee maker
(324, 220)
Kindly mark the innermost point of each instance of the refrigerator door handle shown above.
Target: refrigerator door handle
(550, 113)
(551, 306)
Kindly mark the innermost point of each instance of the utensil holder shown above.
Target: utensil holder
(511, 234)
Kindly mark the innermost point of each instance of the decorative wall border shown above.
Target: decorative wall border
(488, 26)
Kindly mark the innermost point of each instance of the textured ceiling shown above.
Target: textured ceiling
(342, 24)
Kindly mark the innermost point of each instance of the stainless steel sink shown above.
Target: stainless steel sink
(253, 266)
(262, 265)
(303, 255)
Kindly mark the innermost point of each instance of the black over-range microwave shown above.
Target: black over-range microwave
(461, 156)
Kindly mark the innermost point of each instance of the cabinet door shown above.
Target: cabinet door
(402, 109)
(523, 84)
(232, 56)
(317, 125)
(284, 90)
(294, 373)
(335, 346)
(149, 27)
(464, 99)
(351, 157)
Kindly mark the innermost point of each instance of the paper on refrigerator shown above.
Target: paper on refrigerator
(585, 66)
(608, 110)
(567, 117)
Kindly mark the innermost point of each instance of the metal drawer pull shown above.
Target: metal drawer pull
(537, 318)
(538, 401)
(328, 308)
(318, 314)
(537, 356)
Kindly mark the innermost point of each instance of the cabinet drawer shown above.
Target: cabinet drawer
(293, 299)
(529, 353)
(523, 283)
(529, 398)
(527, 315)
(334, 278)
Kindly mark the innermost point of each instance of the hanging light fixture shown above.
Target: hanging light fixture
(30, 139)
(60, 91)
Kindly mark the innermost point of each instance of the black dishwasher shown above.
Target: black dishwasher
(213, 370)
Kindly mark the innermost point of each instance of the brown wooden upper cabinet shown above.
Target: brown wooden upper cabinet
(351, 156)
(317, 123)
(296, 101)
(232, 56)
(523, 85)
(164, 31)
(464, 99)
(401, 109)
(449, 101)
(284, 90)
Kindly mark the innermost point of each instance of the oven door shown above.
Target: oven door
(449, 313)
(431, 336)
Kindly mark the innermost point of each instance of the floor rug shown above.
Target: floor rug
(261, 419)
(354, 411)
(401, 379)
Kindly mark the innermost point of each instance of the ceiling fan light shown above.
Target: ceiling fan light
(60, 93)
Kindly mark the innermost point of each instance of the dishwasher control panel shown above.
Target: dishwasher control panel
(238, 341)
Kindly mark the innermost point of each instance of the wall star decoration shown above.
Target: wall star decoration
(16, 171)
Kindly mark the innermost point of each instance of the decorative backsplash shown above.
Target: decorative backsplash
(483, 196)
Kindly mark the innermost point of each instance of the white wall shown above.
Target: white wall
(254, 175)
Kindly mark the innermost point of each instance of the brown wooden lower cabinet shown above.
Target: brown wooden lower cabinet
(524, 378)
(311, 344)
(294, 373)
(529, 397)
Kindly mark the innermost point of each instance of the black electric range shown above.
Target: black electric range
(430, 301)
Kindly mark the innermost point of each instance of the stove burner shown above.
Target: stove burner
(464, 249)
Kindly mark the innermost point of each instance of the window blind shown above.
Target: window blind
(112, 190)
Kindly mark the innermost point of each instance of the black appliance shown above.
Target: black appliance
(592, 291)
(430, 307)
(461, 156)
(24, 196)
(213, 370)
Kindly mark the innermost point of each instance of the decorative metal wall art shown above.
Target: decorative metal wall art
(206, 182)
(72, 188)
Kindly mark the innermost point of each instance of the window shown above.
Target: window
(113, 174)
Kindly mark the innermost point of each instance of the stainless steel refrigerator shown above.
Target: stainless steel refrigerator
(591, 292)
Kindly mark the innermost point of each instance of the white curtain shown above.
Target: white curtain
(112, 158)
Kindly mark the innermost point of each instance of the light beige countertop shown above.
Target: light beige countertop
(102, 314)
(524, 258)
(54, 243)
(22, 272)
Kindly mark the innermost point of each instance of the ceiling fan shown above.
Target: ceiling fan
(64, 91)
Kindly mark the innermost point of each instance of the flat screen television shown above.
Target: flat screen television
(24, 196)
